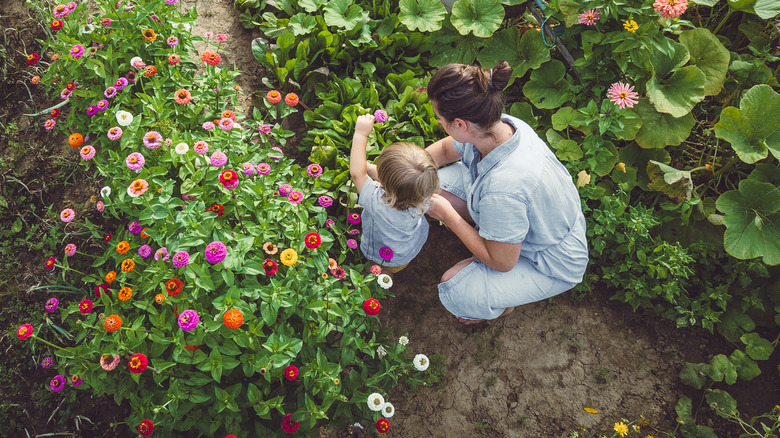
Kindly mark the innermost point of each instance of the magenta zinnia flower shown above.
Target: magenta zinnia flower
(75, 380)
(120, 83)
(145, 251)
(249, 168)
(354, 218)
(77, 51)
(135, 161)
(386, 253)
(67, 215)
(57, 383)
(188, 320)
(622, 95)
(589, 17)
(51, 304)
(216, 252)
(218, 159)
(352, 243)
(325, 201)
(47, 362)
(285, 189)
(295, 197)
(135, 227)
(180, 259)
(264, 129)
(85, 306)
(162, 253)
(380, 116)
(314, 170)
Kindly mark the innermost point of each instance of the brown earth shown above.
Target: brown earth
(529, 374)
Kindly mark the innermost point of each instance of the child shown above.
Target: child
(394, 194)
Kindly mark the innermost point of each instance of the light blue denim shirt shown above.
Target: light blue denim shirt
(403, 231)
(521, 193)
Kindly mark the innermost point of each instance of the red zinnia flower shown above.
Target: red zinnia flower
(146, 428)
(291, 99)
(138, 363)
(50, 263)
(56, 24)
(313, 240)
(55, 113)
(108, 237)
(26, 330)
(85, 306)
(274, 96)
(371, 306)
(270, 267)
(33, 58)
(382, 425)
(288, 425)
(229, 179)
(210, 58)
(71, 86)
(102, 287)
(174, 287)
(218, 209)
(150, 71)
(291, 372)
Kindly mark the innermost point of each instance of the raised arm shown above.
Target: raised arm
(358, 167)
(443, 152)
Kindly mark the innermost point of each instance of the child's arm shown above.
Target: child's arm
(358, 168)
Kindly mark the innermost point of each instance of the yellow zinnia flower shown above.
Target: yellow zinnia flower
(288, 257)
(621, 428)
(631, 26)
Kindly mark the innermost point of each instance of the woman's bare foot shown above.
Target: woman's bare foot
(463, 321)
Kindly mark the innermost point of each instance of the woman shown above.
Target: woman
(529, 240)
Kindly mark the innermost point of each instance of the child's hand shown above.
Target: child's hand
(364, 125)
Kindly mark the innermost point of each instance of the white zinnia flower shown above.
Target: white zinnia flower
(375, 402)
(88, 28)
(388, 410)
(105, 192)
(385, 281)
(124, 118)
(421, 362)
(182, 148)
(381, 352)
(403, 340)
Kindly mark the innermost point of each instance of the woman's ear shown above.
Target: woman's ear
(460, 124)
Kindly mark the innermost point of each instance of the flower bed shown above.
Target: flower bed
(226, 302)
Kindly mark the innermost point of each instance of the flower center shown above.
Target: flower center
(133, 159)
(138, 185)
(623, 95)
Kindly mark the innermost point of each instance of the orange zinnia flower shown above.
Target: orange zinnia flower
(75, 140)
(291, 99)
(110, 277)
(233, 319)
(122, 247)
(128, 265)
(149, 35)
(150, 71)
(112, 323)
(125, 293)
(159, 298)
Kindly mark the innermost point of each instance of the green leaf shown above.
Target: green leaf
(752, 219)
(522, 52)
(721, 369)
(757, 347)
(422, 15)
(343, 13)
(302, 24)
(734, 323)
(451, 47)
(723, 403)
(678, 94)
(480, 17)
(747, 368)
(706, 2)
(752, 129)
(524, 112)
(660, 129)
(547, 89)
(564, 117)
(568, 150)
(709, 55)
(674, 183)
(684, 408)
(767, 9)
(692, 374)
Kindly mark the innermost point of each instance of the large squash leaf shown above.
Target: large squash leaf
(661, 129)
(343, 13)
(480, 17)
(767, 9)
(677, 94)
(674, 183)
(521, 52)
(752, 219)
(547, 89)
(752, 129)
(709, 55)
(422, 15)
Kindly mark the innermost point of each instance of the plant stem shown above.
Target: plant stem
(723, 21)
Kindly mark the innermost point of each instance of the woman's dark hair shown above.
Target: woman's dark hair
(470, 92)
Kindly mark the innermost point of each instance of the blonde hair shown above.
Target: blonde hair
(408, 175)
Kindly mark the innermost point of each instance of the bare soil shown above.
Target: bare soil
(528, 374)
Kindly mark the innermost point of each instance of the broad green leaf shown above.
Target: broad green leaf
(722, 369)
(757, 347)
(522, 52)
(706, 2)
(767, 173)
(674, 183)
(660, 129)
(747, 368)
(752, 219)
(547, 88)
(665, 64)
(524, 112)
(564, 117)
(692, 374)
(343, 14)
(568, 150)
(422, 15)
(604, 159)
(767, 9)
(678, 94)
(684, 408)
(310, 5)
(709, 55)
(627, 125)
(480, 17)
(752, 129)
(302, 24)
(451, 47)
(734, 323)
(723, 403)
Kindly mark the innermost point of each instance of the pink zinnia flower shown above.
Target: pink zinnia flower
(209, 34)
(172, 41)
(352, 243)
(314, 170)
(162, 253)
(47, 362)
(180, 259)
(218, 159)
(589, 17)
(208, 126)
(51, 304)
(249, 168)
(105, 22)
(49, 124)
(137, 188)
(153, 140)
(221, 37)
(263, 169)
(622, 95)
(670, 8)
(65, 94)
(215, 252)
(200, 147)
(226, 124)
(61, 11)
(108, 362)
(114, 133)
(135, 161)
(264, 129)
(295, 197)
(329, 223)
(87, 152)
(70, 250)
(110, 92)
(67, 215)
(325, 201)
(277, 149)
(376, 269)
(100, 206)
(285, 189)
(380, 116)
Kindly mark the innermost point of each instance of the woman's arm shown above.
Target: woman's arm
(443, 152)
(498, 255)
(358, 167)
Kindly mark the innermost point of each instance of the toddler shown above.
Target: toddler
(394, 194)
